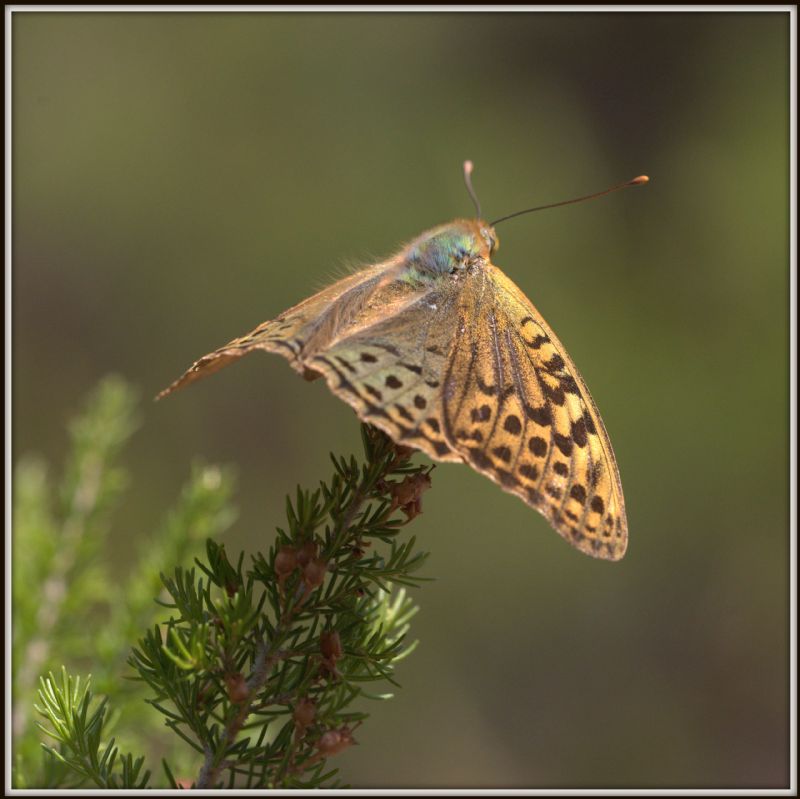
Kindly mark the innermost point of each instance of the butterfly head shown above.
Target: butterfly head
(454, 248)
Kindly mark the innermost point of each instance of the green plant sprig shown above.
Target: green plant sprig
(260, 673)
(257, 670)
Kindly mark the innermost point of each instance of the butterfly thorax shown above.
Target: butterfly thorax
(451, 249)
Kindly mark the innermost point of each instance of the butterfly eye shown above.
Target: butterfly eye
(490, 239)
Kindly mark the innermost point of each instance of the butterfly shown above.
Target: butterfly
(438, 348)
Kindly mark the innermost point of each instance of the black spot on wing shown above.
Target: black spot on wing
(373, 392)
(578, 492)
(564, 443)
(542, 414)
(578, 430)
(537, 342)
(506, 393)
(538, 446)
(569, 385)
(480, 458)
(374, 410)
(342, 362)
(507, 479)
(528, 470)
(278, 342)
(484, 388)
(555, 364)
(598, 505)
(417, 370)
(554, 395)
(504, 453)
(404, 413)
(482, 414)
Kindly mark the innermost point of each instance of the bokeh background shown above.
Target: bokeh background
(181, 177)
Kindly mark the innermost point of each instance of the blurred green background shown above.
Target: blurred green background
(179, 178)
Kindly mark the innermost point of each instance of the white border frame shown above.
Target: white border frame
(9, 11)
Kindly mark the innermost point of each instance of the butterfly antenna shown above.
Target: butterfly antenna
(468, 167)
(640, 181)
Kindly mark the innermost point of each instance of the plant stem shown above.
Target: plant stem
(214, 762)
(263, 663)
(54, 589)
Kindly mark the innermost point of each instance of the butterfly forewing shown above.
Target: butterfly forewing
(521, 414)
(305, 327)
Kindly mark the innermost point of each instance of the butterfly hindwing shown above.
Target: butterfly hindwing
(390, 372)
